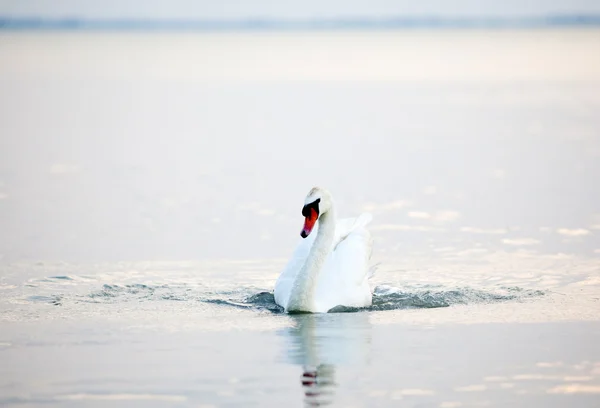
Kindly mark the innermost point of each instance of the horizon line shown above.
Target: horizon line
(77, 23)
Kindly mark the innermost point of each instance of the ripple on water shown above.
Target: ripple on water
(391, 298)
(113, 291)
(385, 297)
(55, 300)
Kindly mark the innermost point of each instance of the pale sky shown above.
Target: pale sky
(239, 9)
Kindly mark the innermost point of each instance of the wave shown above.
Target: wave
(391, 298)
(385, 297)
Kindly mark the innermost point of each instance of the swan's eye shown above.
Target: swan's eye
(314, 205)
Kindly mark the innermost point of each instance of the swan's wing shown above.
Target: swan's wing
(346, 226)
(345, 279)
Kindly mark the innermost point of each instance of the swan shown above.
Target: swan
(329, 267)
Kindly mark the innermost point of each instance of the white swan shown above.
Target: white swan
(331, 267)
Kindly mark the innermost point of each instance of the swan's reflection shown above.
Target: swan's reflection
(320, 342)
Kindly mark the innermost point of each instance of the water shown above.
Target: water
(151, 188)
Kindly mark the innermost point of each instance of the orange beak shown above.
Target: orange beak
(309, 223)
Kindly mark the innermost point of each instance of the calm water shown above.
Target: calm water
(151, 188)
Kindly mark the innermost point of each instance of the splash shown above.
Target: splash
(391, 298)
(385, 297)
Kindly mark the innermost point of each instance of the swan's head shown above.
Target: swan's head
(317, 203)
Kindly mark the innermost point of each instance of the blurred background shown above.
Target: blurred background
(148, 130)
(155, 157)
(235, 11)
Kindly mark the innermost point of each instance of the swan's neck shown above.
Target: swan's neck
(302, 295)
